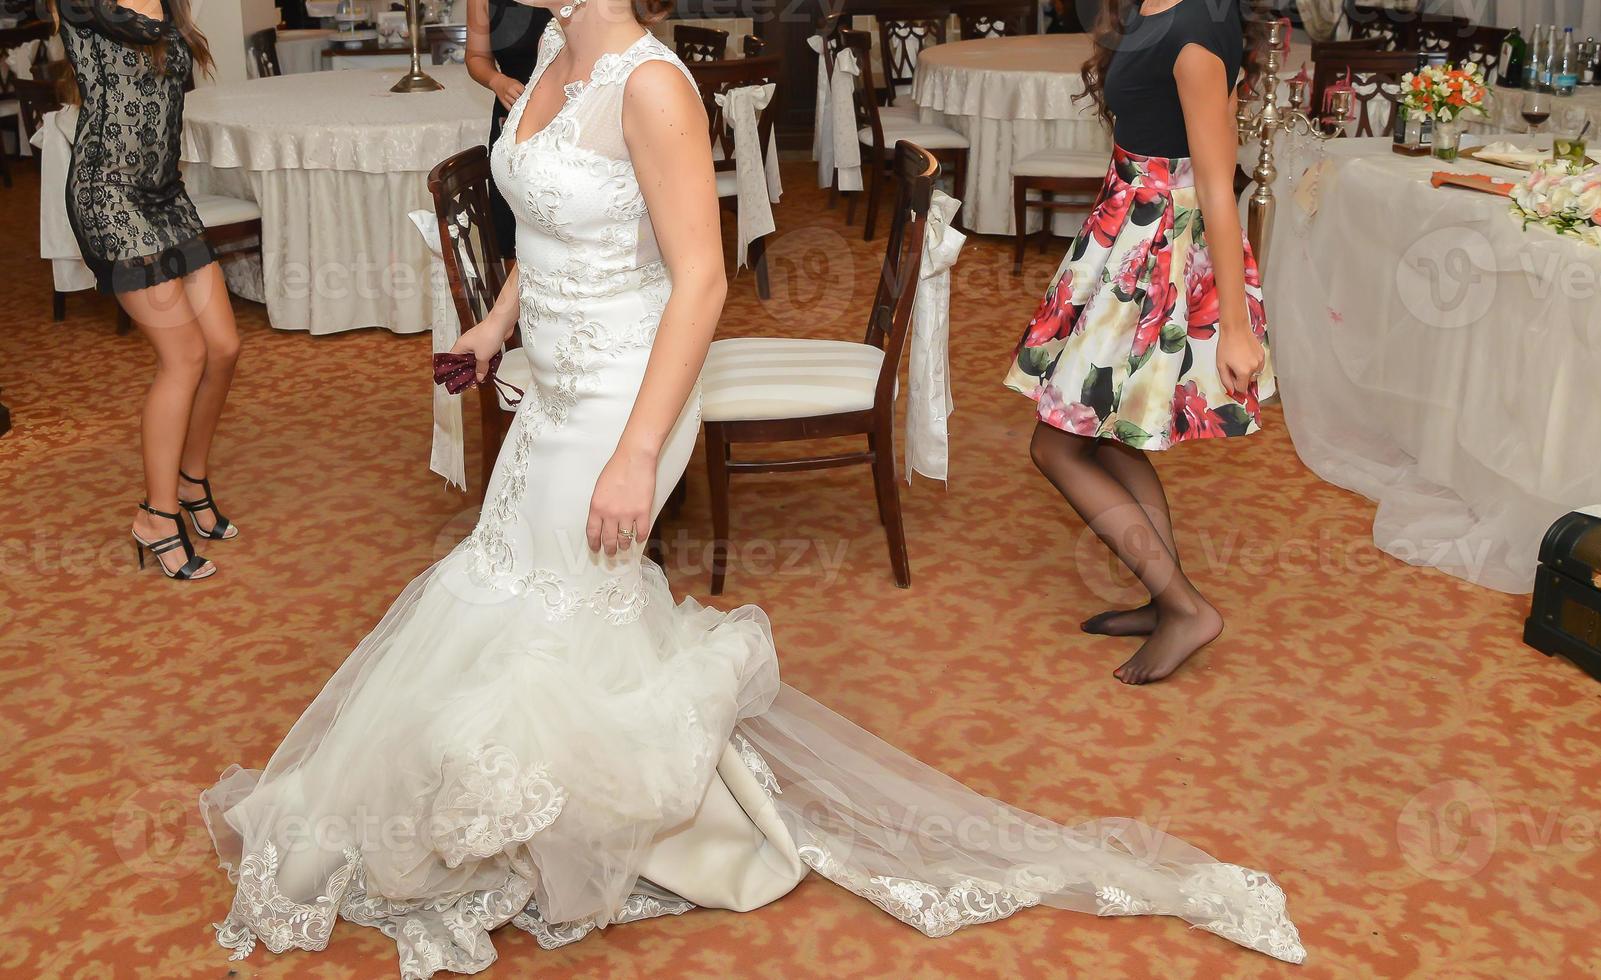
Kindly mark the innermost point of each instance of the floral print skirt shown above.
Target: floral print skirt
(1124, 346)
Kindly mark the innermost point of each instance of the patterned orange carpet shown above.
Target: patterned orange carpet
(1425, 788)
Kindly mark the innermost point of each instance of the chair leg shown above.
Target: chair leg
(850, 206)
(124, 322)
(1020, 209)
(675, 500)
(875, 177)
(758, 261)
(889, 500)
(717, 480)
(1047, 226)
(959, 186)
(58, 306)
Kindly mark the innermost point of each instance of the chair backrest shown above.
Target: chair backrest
(1482, 46)
(754, 47)
(904, 30)
(860, 43)
(915, 171)
(473, 263)
(447, 43)
(39, 96)
(716, 77)
(1436, 35)
(1383, 24)
(261, 54)
(1376, 79)
(694, 44)
(981, 20)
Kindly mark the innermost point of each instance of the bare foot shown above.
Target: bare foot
(1123, 622)
(1176, 638)
(148, 527)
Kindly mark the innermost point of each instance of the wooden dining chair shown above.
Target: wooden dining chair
(39, 33)
(753, 46)
(713, 78)
(447, 43)
(1383, 24)
(881, 132)
(904, 31)
(781, 390)
(261, 54)
(1482, 46)
(1435, 35)
(1376, 79)
(1066, 180)
(477, 273)
(982, 20)
(694, 44)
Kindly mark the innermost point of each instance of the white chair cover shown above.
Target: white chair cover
(929, 410)
(57, 244)
(834, 145)
(755, 169)
(449, 455)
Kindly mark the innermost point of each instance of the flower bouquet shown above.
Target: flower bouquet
(1563, 197)
(1445, 94)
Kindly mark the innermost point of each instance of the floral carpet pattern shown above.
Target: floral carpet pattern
(1426, 789)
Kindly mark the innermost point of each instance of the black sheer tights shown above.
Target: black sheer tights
(1118, 494)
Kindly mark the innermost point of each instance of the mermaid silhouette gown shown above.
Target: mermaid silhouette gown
(537, 735)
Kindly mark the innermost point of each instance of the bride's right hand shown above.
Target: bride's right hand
(483, 342)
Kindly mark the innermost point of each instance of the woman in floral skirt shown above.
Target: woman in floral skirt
(1153, 332)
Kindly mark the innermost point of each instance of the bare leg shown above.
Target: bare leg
(1186, 621)
(1132, 468)
(213, 312)
(164, 317)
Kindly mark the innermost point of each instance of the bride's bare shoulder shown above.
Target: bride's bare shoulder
(661, 101)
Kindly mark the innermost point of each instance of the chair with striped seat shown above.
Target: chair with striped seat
(1075, 174)
(773, 390)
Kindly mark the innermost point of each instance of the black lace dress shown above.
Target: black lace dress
(135, 224)
(514, 32)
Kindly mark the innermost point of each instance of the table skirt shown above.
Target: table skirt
(1438, 359)
(368, 268)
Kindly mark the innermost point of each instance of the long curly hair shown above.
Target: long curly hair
(1107, 35)
(179, 13)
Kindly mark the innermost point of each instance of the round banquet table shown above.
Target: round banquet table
(1011, 97)
(1435, 356)
(336, 162)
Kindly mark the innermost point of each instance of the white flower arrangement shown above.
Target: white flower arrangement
(1444, 93)
(1563, 197)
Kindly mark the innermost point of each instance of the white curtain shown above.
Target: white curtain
(1320, 17)
(1584, 16)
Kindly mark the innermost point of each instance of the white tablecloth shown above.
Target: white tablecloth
(336, 162)
(1012, 97)
(1437, 358)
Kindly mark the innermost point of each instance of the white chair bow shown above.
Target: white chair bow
(759, 184)
(929, 405)
(834, 140)
(449, 455)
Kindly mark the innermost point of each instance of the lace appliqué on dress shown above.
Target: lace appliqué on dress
(1243, 906)
(261, 910)
(496, 804)
(638, 906)
(932, 910)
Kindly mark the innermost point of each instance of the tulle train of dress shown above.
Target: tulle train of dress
(539, 735)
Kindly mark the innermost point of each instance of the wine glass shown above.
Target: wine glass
(1536, 110)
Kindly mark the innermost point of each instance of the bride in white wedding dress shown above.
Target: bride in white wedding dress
(536, 734)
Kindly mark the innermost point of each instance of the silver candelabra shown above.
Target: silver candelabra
(1262, 118)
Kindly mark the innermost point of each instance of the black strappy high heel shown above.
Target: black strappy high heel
(222, 530)
(193, 563)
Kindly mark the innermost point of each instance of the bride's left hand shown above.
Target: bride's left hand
(623, 499)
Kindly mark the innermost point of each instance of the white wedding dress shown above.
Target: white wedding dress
(540, 736)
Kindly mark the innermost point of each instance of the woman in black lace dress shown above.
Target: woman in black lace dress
(142, 237)
(502, 50)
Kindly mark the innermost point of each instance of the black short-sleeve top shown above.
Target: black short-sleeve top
(1140, 89)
